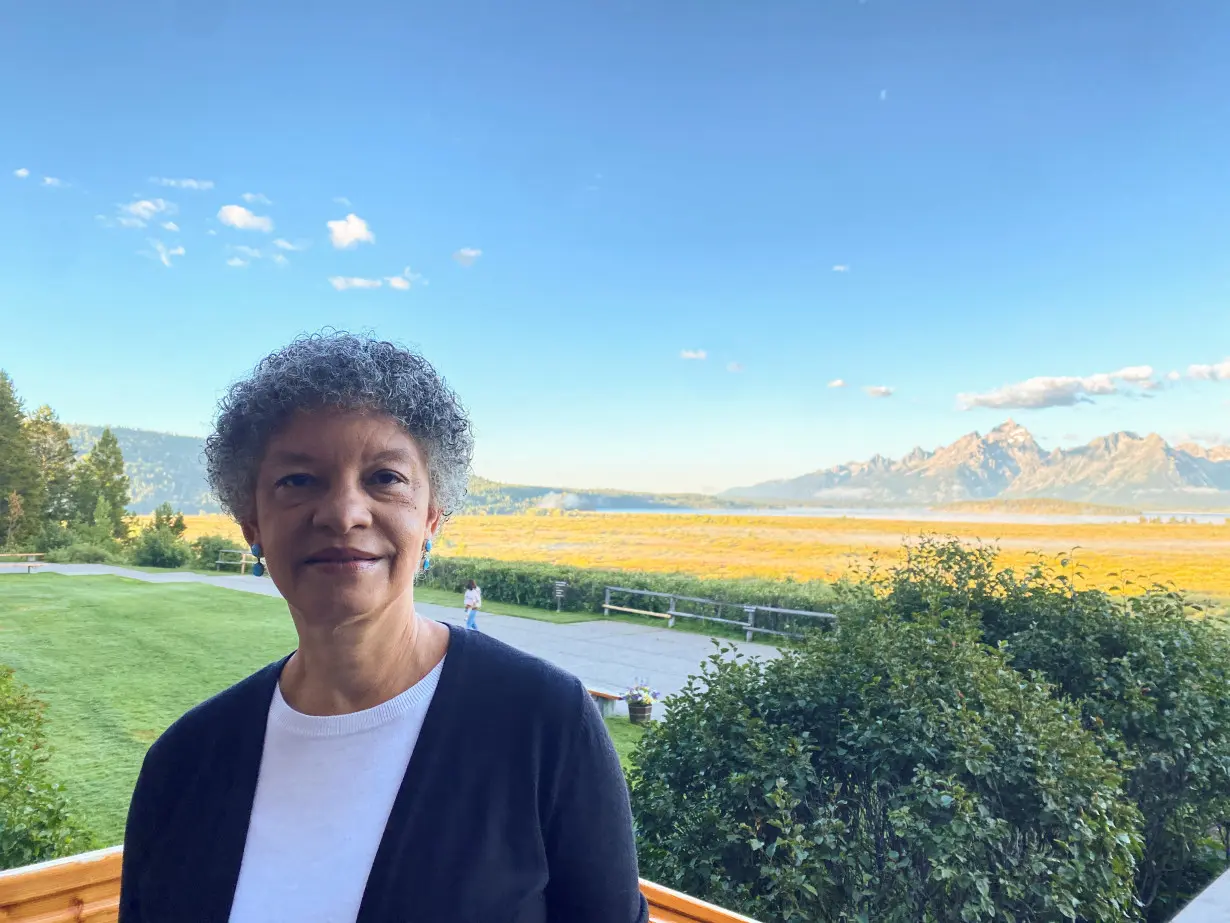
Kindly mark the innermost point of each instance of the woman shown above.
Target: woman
(473, 601)
(390, 768)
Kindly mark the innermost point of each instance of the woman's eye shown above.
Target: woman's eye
(387, 478)
(295, 480)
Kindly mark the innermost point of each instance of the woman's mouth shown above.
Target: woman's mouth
(342, 560)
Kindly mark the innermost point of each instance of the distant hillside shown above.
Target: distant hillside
(162, 468)
(170, 469)
(1122, 469)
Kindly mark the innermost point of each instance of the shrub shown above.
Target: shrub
(532, 584)
(160, 548)
(1150, 680)
(35, 824)
(893, 771)
(84, 553)
(205, 549)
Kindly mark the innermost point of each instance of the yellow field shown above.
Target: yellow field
(1195, 557)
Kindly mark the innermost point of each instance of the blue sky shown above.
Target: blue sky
(989, 208)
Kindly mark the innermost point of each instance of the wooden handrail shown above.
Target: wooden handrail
(87, 888)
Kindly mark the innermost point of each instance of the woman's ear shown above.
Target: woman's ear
(434, 518)
(251, 534)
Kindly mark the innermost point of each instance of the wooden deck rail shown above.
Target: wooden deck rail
(86, 889)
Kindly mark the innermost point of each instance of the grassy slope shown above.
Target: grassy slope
(118, 660)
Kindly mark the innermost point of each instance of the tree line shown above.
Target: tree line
(49, 497)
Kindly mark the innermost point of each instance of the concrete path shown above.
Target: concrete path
(607, 655)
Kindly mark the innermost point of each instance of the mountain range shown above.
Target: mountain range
(1007, 463)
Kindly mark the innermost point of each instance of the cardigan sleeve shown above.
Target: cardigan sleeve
(591, 849)
(137, 832)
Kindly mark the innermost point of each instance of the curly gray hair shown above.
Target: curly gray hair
(338, 370)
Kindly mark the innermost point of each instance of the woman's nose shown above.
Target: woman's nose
(343, 507)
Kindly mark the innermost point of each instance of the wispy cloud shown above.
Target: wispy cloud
(883, 95)
(21, 173)
(54, 182)
(347, 233)
(127, 221)
(237, 216)
(164, 253)
(256, 198)
(841, 267)
(198, 184)
(279, 259)
(237, 262)
(212, 233)
(693, 354)
(407, 279)
(837, 383)
(250, 252)
(1059, 391)
(1217, 372)
(878, 391)
(467, 256)
(342, 200)
(146, 209)
(283, 244)
(341, 283)
(398, 282)
(170, 226)
(734, 367)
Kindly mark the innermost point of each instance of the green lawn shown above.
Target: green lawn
(117, 660)
(625, 734)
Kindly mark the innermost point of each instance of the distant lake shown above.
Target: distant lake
(926, 514)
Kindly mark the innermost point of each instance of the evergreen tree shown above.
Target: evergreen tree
(100, 475)
(18, 470)
(53, 454)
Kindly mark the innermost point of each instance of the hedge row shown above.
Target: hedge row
(533, 584)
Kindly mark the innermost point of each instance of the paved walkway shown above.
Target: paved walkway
(606, 655)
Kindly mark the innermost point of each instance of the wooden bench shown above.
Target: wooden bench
(27, 560)
(605, 701)
(245, 558)
(87, 888)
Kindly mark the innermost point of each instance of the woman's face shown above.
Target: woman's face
(343, 508)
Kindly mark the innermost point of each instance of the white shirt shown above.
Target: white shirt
(323, 796)
(474, 598)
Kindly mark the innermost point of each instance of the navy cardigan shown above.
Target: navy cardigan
(513, 808)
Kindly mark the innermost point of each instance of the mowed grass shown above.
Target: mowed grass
(625, 735)
(117, 661)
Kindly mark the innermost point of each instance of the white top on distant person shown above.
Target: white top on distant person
(473, 602)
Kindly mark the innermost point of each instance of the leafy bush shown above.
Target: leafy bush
(160, 548)
(35, 824)
(532, 584)
(893, 771)
(205, 549)
(84, 553)
(1150, 680)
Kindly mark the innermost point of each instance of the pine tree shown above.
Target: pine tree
(106, 461)
(53, 453)
(18, 470)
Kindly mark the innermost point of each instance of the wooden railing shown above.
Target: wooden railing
(86, 889)
(27, 559)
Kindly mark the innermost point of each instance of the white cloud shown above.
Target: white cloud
(52, 181)
(165, 254)
(256, 198)
(198, 184)
(407, 278)
(1173, 376)
(837, 383)
(349, 232)
(879, 391)
(237, 262)
(128, 221)
(237, 216)
(212, 233)
(734, 367)
(401, 283)
(342, 200)
(21, 173)
(280, 259)
(170, 226)
(250, 252)
(1217, 372)
(841, 267)
(693, 354)
(341, 283)
(1058, 391)
(282, 244)
(467, 256)
(145, 209)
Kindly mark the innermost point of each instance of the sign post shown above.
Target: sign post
(561, 586)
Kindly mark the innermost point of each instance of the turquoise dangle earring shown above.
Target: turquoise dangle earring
(258, 569)
(427, 556)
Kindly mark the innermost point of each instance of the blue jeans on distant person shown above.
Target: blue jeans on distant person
(472, 618)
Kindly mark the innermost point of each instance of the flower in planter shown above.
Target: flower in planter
(641, 694)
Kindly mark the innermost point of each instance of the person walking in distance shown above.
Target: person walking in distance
(473, 602)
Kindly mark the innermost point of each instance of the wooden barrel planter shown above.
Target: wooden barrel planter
(640, 712)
